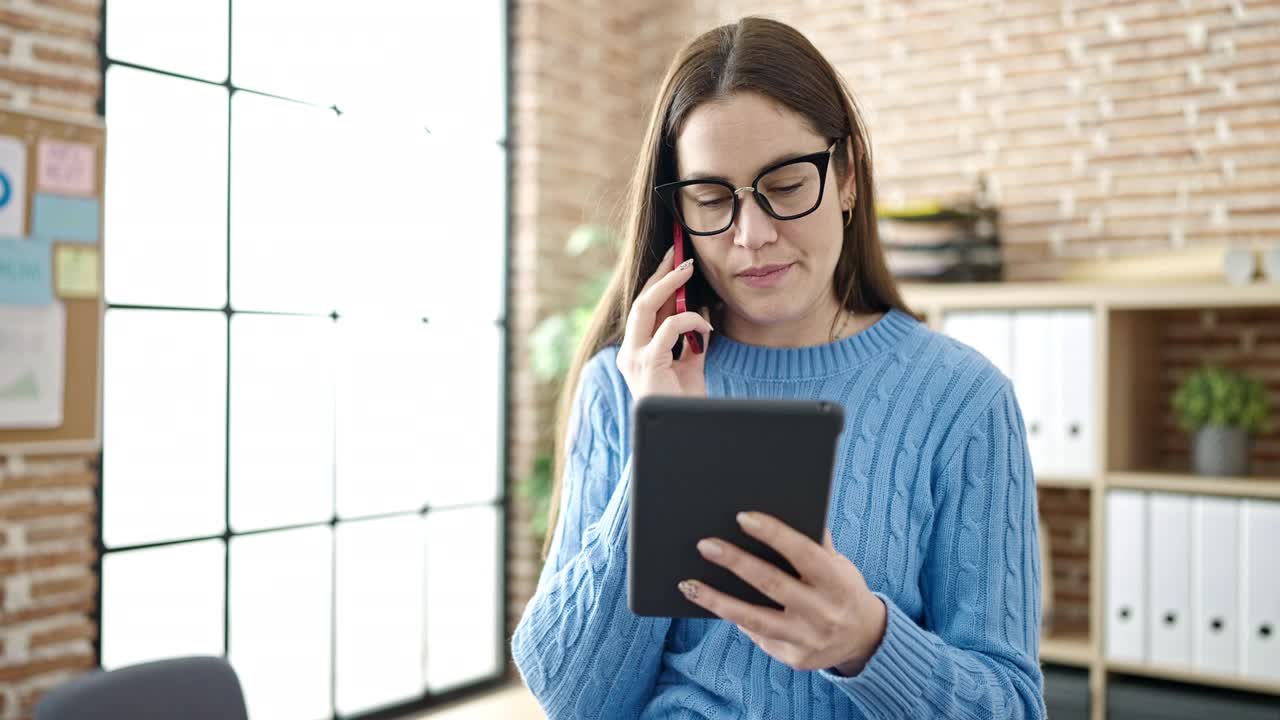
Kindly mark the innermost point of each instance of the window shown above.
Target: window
(304, 381)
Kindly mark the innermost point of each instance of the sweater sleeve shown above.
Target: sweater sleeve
(578, 646)
(977, 654)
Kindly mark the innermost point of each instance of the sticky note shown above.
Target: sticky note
(26, 271)
(13, 187)
(65, 219)
(76, 272)
(65, 167)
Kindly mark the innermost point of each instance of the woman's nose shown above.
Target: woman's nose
(754, 228)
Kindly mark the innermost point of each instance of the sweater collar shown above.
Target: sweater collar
(790, 363)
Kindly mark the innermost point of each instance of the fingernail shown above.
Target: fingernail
(710, 548)
(689, 589)
(748, 521)
(669, 251)
(686, 264)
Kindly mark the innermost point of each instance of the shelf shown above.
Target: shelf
(1263, 488)
(1183, 675)
(1073, 650)
(1006, 295)
(1057, 481)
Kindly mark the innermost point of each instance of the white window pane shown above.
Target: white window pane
(287, 48)
(285, 195)
(469, 35)
(281, 590)
(386, 261)
(383, 416)
(166, 190)
(466, 243)
(281, 420)
(415, 51)
(162, 602)
(188, 38)
(463, 622)
(164, 425)
(380, 613)
(463, 444)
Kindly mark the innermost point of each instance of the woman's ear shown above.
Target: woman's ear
(848, 186)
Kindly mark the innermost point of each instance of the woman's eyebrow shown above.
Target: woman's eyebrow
(777, 160)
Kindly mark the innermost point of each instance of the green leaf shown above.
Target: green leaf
(1219, 396)
(552, 344)
(585, 237)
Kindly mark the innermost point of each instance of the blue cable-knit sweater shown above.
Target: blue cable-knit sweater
(934, 501)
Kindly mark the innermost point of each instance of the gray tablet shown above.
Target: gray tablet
(696, 463)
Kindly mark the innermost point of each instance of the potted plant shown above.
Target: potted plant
(554, 341)
(1222, 407)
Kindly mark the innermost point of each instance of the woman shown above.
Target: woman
(923, 601)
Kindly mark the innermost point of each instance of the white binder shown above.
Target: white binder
(1126, 603)
(1072, 387)
(990, 332)
(1215, 585)
(1032, 382)
(1260, 522)
(1169, 579)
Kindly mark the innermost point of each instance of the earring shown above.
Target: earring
(849, 220)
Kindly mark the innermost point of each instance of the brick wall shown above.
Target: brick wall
(48, 587)
(583, 79)
(1065, 513)
(1105, 126)
(50, 55)
(48, 506)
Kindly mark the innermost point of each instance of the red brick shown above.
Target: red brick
(29, 510)
(33, 78)
(84, 530)
(35, 668)
(85, 105)
(82, 558)
(58, 56)
(88, 9)
(85, 585)
(40, 23)
(44, 611)
(32, 481)
(76, 629)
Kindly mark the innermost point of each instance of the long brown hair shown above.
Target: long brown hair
(751, 55)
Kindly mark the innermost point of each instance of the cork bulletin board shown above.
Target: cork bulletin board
(51, 180)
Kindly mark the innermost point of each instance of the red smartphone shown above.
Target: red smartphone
(693, 338)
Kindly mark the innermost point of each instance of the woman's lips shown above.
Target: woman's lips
(766, 276)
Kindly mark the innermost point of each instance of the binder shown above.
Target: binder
(1215, 585)
(990, 332)
(1031, 384)
(1169, 579)
(1072, 385)
(1126, 548)
(1260, 577)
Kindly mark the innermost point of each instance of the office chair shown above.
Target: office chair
(189, 688)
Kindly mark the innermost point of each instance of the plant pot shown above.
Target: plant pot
(1221, 451)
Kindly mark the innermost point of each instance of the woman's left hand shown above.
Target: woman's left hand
(830, 618)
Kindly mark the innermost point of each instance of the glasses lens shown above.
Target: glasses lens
(791, 189)
(705, 207)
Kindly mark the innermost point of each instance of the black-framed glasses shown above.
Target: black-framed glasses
(788, 190)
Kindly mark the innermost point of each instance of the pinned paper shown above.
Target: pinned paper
(26, 274)
(65, 219)
(32, 342)
(13, 187)
(65, 167)
(76, 272)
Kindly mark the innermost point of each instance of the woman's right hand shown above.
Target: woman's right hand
(645, 358)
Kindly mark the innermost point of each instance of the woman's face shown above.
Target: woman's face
(770, 273)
